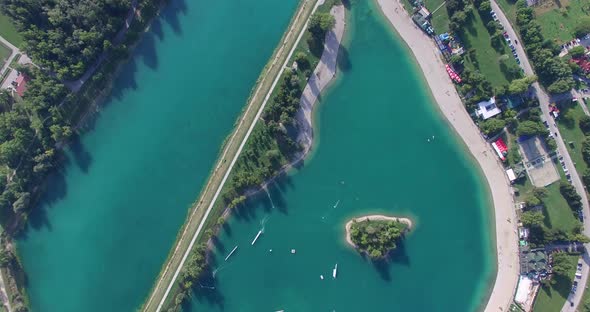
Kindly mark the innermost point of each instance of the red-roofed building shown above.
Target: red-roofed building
(20, 84)
(583, 63)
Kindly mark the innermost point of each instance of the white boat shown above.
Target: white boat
(321, 277)
(256, 238)
(335, 271)
(231, 252)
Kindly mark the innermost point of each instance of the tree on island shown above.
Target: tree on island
(377, 238)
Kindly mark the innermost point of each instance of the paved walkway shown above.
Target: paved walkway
(544, 102)
(162, 282)
(15, 51)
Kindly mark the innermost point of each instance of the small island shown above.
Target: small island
(376, 235)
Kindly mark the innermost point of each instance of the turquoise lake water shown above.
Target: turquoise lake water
(373, 156)
(109, 219)
(111, 216)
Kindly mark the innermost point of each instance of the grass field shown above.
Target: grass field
(485, 58)
(552, 299)
(440, 19)
(8, 31)
(558, 214)
(4, 54)
(557, 23)
(509, 9)
(570, 131)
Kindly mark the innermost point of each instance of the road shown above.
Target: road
(544, 102)
(186, 253)
(15, 51)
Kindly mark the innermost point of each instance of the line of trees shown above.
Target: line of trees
(554, 72)
(28, 135)
(271, 146)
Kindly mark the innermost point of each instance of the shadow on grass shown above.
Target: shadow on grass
(566, 119)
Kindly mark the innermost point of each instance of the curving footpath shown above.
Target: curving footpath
(157, 297)
(443, 90)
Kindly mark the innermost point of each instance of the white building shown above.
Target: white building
(487, 109)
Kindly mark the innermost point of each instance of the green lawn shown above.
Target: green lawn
(558, 214)
(484, 57)
(558, 23)
(440, 19)
(552, 299)
(509, 9)
(9, 32)
(568, 125)
(4, 54)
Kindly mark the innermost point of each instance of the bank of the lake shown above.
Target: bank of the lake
(381, 148)
(110, 217)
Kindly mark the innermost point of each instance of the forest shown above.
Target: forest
(66, 36)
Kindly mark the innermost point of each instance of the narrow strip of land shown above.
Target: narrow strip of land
(199, 214)
(452, 108)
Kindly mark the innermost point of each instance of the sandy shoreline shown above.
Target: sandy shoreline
(375, 218)
(324, 72)
(443, 91)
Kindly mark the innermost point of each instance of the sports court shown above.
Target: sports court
(537, 162)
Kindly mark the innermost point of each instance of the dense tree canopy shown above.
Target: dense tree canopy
(521, 85)
(492, 126)
(532, 218)
(377, 238)
(66, 36)
(553, 72)
(561, 264)
(530, 128)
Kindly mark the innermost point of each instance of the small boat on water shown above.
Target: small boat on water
(231, 252)
(335, 271)
(256, 238)
(321, 277)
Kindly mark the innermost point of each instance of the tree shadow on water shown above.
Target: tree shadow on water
(82, 157)
(55, 189)
(206, 289)
(383, 266)
(343, 60)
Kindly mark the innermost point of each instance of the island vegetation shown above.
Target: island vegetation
(376, 236)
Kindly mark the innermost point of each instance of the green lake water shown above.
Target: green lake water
(109, 219)
(372, 156)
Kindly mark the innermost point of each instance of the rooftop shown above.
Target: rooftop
(487, 109)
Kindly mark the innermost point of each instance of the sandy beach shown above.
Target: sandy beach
(374, 218)
(450, 104)
(320, 78)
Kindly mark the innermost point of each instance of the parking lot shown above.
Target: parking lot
(538, 163)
